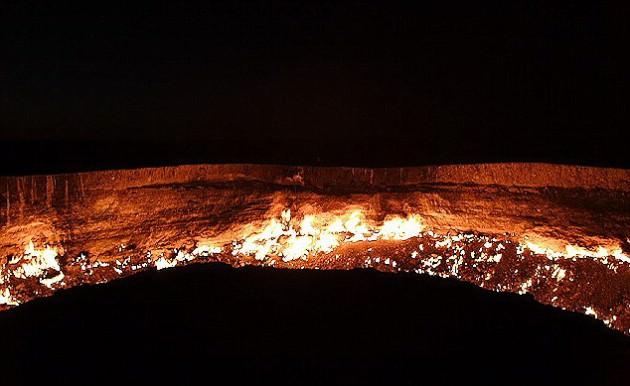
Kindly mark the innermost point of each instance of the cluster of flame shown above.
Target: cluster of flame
(575, 251)
(284, 237)
(316, 234)
(34, 262)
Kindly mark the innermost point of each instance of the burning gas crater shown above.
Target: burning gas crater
(587, 280)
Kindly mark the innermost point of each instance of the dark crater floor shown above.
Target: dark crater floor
(215, 324)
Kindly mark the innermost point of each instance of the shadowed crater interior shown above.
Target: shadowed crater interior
(360, 326)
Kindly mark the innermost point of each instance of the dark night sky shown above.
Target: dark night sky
(539, 75)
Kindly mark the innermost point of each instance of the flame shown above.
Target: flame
(7, 298)
(206, 250)
(162, 263)
(36, 261)
(575, 251)
(402, 229)
(322, 234)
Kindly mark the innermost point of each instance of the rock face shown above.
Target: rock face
(560, 233)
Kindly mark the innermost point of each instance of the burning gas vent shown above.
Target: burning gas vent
(559, 233)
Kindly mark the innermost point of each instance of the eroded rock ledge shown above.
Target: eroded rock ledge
(558, 232)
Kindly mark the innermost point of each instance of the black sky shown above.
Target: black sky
(522, 74)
